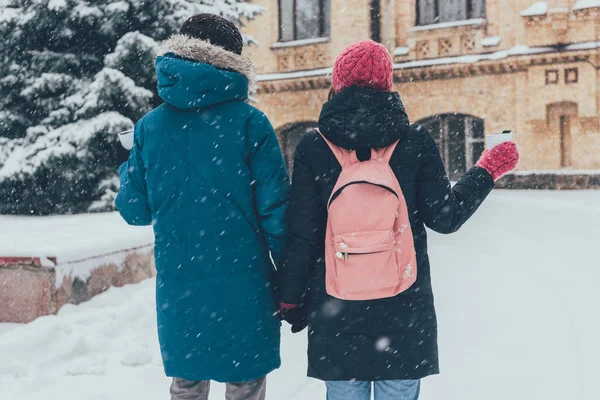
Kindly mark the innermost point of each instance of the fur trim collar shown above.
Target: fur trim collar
(204, 52)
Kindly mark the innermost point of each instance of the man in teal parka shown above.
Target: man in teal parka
(206, 171)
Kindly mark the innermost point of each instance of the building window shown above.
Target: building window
(436, 11)
(376, 20)
(571, 75)
(561, 118)
(552, 76)
(460, 139)
(303, 19)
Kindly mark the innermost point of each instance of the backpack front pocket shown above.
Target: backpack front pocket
(365, 261)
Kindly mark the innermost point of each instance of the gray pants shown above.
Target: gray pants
(182, 389)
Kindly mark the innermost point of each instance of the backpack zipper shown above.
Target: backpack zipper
(339, 191)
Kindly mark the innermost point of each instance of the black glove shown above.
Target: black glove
(297, 317)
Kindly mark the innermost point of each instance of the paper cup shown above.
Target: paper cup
(495, 139)
(126, 139)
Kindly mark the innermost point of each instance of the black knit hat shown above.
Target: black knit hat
(214, 29)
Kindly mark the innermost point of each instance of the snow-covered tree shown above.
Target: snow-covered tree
(73, 73)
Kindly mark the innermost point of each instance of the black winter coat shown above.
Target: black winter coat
(386, 339)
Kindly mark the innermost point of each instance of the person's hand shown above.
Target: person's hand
(295, 315)
(500, 159)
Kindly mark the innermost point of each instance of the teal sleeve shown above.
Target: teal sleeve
(132, 199)
(270, 182)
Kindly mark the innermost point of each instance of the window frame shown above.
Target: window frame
(324, 25)
(468, 5)
(441, 136)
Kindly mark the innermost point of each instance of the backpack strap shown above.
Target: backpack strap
(384, 154)
(344, 157)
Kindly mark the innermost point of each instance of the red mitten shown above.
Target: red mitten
(500, 160)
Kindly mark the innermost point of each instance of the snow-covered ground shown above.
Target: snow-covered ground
(517, 298)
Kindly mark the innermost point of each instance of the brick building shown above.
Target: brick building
(464, 68)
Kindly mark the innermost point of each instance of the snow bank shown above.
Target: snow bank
(70, 238)
(516, 294)
(585, 4)
(536, 9)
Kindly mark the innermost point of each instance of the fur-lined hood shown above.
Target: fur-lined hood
(204, 52)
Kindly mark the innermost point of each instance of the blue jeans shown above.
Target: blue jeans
(384, 390)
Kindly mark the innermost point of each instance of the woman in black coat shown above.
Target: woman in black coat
(390, 341)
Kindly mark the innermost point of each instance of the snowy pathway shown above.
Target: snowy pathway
(517, 298)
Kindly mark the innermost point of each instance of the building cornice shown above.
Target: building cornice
(510, 61)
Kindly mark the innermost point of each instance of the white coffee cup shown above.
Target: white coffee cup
(497, 138)
(126, 139)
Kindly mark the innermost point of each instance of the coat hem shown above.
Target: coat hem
(220, 378)
(391, 377)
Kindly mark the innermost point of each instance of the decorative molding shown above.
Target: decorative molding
(295, 85)
(437, 72)
(444, 47)
(475, 22)
(290, 59)
(590, 125)
(284, 62)
(423, 49)
(468, 44)
(301, 60)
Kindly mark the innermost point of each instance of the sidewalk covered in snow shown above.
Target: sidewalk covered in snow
(516, 297)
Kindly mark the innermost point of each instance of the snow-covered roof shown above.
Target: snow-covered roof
(468, 59)
(537, 8)
(584, 4)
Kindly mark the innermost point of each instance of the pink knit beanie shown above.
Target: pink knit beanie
(366, 64)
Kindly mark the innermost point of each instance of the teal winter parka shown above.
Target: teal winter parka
(206, 171)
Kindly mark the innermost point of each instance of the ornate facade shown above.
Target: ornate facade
(464, 68)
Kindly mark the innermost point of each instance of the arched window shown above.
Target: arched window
(460, 138)
(290, 136)
(436, 11)
(304, 19)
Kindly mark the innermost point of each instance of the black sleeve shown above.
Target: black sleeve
(307, 218)
(444, 208)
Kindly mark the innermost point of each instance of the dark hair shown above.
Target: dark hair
(331, 94)
(214, 29)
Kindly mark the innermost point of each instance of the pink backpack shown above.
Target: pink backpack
(369, 248)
